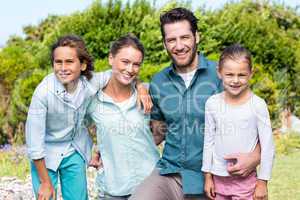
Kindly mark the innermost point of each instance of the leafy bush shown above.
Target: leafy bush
(271, 32)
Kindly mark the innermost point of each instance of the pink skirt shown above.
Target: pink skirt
(234, 187)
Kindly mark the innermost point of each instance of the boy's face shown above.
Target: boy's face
(66, 65)
(181, 43)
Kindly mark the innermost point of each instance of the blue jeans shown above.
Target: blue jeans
(72, 175)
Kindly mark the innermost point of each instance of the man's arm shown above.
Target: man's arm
(159, 129)
(244, 163)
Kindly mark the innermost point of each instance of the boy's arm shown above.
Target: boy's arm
(46, 190)
(35, 140)
(144, 98)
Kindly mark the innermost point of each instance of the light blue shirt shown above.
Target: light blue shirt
(54, 123)
(125, 141)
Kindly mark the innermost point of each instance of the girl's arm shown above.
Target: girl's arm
(209, 134)
(266, 141)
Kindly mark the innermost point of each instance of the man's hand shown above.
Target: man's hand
(209, 186)
(96, 161)
(46, 191)
(261, 190)
(158, 129)
(241, 164)
(144, 99)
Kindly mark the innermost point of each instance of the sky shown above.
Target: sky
(15, 14)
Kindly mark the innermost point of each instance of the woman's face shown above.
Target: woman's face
(126, 64)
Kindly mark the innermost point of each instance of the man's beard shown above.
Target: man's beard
(190, 60)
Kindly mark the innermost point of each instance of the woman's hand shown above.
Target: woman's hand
(96, 161)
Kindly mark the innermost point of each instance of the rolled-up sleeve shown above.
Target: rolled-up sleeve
(100, 79)
(35, 130)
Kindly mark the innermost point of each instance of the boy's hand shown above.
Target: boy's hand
(96, 161)
(209, 186)
(261, 190)
(144, 98)
(46, 192)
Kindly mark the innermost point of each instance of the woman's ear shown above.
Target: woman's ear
(110, 59)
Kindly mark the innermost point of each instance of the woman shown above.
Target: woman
(128, 151)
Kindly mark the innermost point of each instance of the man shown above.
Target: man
(179, 93)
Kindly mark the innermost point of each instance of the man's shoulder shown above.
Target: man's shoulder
(161, 76)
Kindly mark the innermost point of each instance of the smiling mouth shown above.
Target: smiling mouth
(181, 55)
(234, 87)
(64, 75)
(127, 76)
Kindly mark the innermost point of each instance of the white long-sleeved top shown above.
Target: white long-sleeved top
(236, 129)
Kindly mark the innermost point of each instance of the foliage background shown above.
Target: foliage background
(270, 31)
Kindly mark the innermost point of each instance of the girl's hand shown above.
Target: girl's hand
(46, 191)
(144, 98)
(96, 161)
(209, 187)
(261, 190)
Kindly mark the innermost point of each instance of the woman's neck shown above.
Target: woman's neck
(117, 91)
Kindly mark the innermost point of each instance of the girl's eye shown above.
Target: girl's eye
(125, 62)
(136, 65)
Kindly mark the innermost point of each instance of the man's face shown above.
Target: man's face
(181, 44)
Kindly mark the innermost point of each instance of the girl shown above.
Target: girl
(124, 138)
(235, 120)
(58, 143)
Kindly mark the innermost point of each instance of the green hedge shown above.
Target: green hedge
(271, 32)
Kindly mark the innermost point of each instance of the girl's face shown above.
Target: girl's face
(235, 75)
(126, 64)
(67, 66)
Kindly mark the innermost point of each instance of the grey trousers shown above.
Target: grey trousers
(157, 187)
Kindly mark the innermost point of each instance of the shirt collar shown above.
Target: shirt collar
(202, 64)
(102, 97)
(58, 89)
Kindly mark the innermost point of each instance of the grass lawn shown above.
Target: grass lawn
(285, 183)
(15, 164)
